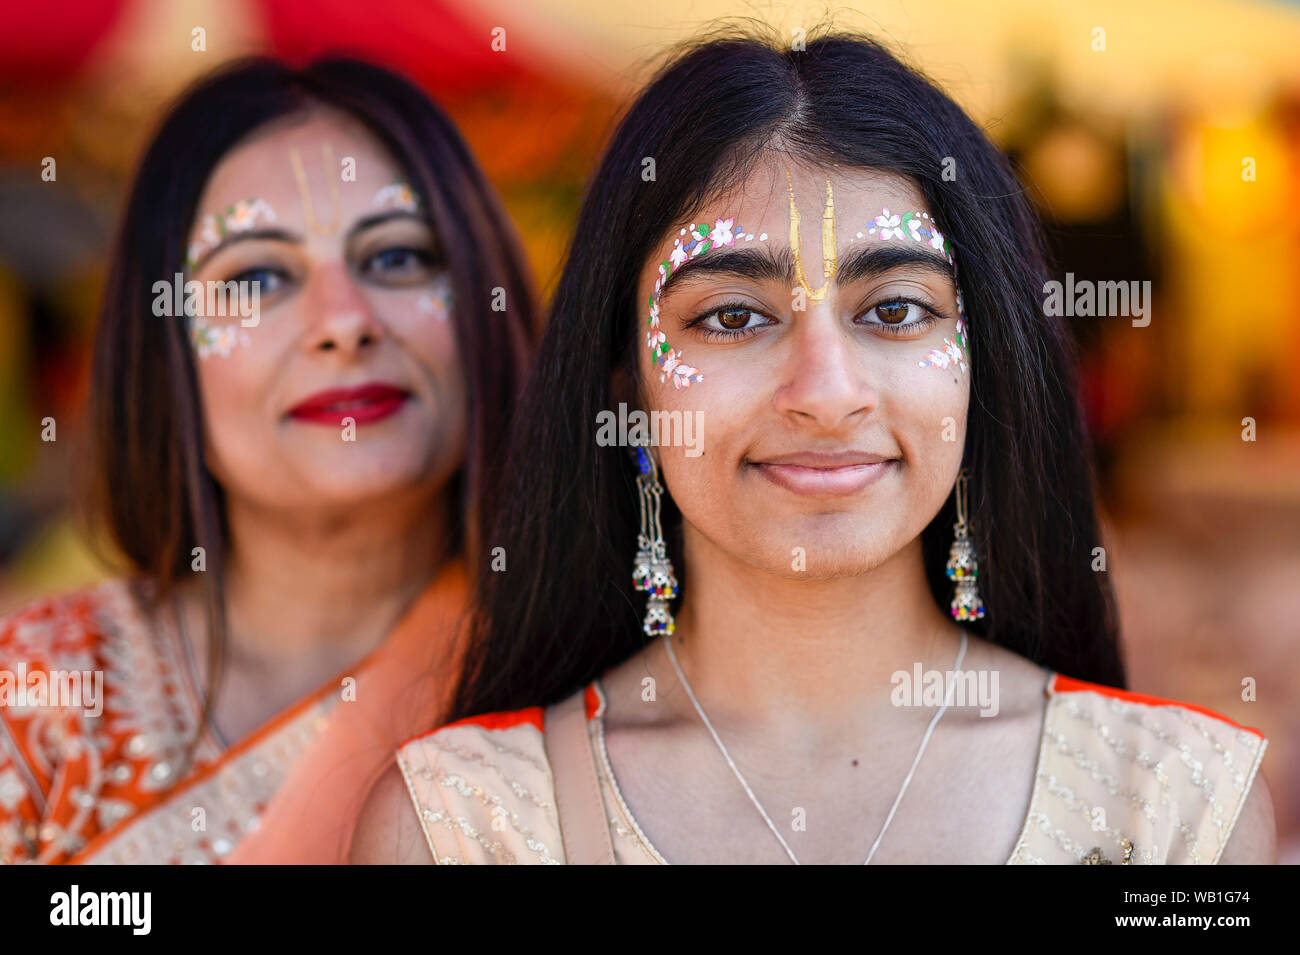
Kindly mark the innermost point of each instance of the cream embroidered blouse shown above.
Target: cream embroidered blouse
(1171, 778)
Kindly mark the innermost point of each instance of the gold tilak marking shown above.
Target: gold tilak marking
(829, 256)
(304, 193)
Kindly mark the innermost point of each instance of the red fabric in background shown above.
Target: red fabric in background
(45, 41)
(428, 40)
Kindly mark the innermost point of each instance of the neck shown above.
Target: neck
(331, 583)
(763, 648)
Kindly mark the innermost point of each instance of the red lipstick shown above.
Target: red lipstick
(364, 404)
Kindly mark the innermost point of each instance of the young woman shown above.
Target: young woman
(315, 327)
(858, 619)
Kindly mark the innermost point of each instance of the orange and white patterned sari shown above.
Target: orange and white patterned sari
(117, 788)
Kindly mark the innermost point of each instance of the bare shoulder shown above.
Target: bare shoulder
(387, 831)
(1254, 837)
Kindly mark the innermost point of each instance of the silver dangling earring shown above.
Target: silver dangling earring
(653, 571)
(962, 565)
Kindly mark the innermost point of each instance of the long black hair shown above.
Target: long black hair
(564, 609)
(151, 489)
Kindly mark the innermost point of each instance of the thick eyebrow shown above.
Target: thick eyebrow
(866, 262)
(777, 265)
(379, 218)
(283, 235)
(759, 264)
(230, 238)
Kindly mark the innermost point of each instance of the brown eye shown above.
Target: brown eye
(893, 313)
(731, 322)
(899, 316)
(734, 318)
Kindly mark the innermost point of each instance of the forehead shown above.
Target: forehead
(761, 202)
(260, 165)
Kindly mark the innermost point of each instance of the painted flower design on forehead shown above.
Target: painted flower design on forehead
(919, 227)
(213, 227)
(397, 195)
(690, 243)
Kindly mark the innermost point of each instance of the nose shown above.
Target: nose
(825, 376)
(339, 317)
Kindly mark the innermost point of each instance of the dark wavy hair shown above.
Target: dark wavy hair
(150, 486)
(565, 610)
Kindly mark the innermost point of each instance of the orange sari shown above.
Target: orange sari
(85, 789)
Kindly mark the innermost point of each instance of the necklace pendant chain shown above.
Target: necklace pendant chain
(925, 740)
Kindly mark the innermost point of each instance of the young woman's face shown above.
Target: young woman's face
(346, 386)
(830, 410)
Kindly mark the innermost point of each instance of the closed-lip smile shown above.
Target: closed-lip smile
(364, 404)
(823, 474)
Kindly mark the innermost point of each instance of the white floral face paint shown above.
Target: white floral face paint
(438, 300)
(214, 227)
(919, 227)
(220, 340)
(215, 340)
(953, 352)
(699, 238)
(397, 195)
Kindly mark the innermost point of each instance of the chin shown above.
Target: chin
(834, 546)
(357, 472)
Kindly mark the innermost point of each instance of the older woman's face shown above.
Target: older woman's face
(825, 367)
(346, 386)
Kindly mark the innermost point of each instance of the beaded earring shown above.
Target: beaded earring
(652, 571)
(962, 565)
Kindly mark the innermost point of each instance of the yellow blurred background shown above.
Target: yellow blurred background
(1160, 141)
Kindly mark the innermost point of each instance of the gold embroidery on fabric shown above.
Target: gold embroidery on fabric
(1238, 777)
(1205, 785)
(1029, 858)
(519, 754)
(445, 813)
(408, 772)
(1144, 760)
(519, 789)
(1095, 857)
(1111, 784)
(464, 788)
(1058, 835)
(1066, 795)
(458, 826)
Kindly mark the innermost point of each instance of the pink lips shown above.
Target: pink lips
(364, 404)
(819, 474)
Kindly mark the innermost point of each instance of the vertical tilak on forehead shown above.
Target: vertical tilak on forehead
(304, 192)
(701, 238)
(830, 259)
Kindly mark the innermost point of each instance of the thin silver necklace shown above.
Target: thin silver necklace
(961, 655)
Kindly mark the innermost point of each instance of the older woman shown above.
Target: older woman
(315, 325)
